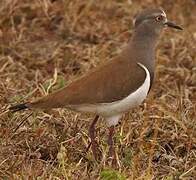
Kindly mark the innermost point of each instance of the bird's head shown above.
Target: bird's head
(154, 20)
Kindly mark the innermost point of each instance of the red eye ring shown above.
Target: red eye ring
(159, 18)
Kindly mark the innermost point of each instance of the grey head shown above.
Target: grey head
(154, 20)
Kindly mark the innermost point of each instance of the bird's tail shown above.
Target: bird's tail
(19, 107)
(54, 100)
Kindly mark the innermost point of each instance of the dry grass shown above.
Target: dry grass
(44, 45)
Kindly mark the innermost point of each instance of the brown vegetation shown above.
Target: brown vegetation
(46, 44)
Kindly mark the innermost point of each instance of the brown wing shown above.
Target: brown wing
(111, 82)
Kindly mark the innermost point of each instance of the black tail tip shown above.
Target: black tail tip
(18, 107)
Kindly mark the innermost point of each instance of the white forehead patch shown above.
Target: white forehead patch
(163, 14)
(134, 21)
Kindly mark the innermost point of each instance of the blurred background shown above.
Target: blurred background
(45, 44)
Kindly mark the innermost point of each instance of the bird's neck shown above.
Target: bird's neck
(142, 47)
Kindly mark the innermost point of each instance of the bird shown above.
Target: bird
(116, 86)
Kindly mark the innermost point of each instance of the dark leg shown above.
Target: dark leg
(110, 141)
(111, 145)
(92, 135)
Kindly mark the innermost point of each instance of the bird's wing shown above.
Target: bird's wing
(111, 82)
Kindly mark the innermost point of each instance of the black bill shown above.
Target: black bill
(172, 25)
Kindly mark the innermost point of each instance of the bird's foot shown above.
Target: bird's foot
(95, 150)
(112, 161)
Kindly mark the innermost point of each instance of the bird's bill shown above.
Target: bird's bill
(173, 25)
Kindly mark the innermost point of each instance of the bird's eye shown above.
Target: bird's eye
(159, 18)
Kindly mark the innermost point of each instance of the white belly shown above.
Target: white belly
(116, 108)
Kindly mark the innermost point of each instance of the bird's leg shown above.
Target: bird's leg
(111, 145)
(92, 135)
(110, 141)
